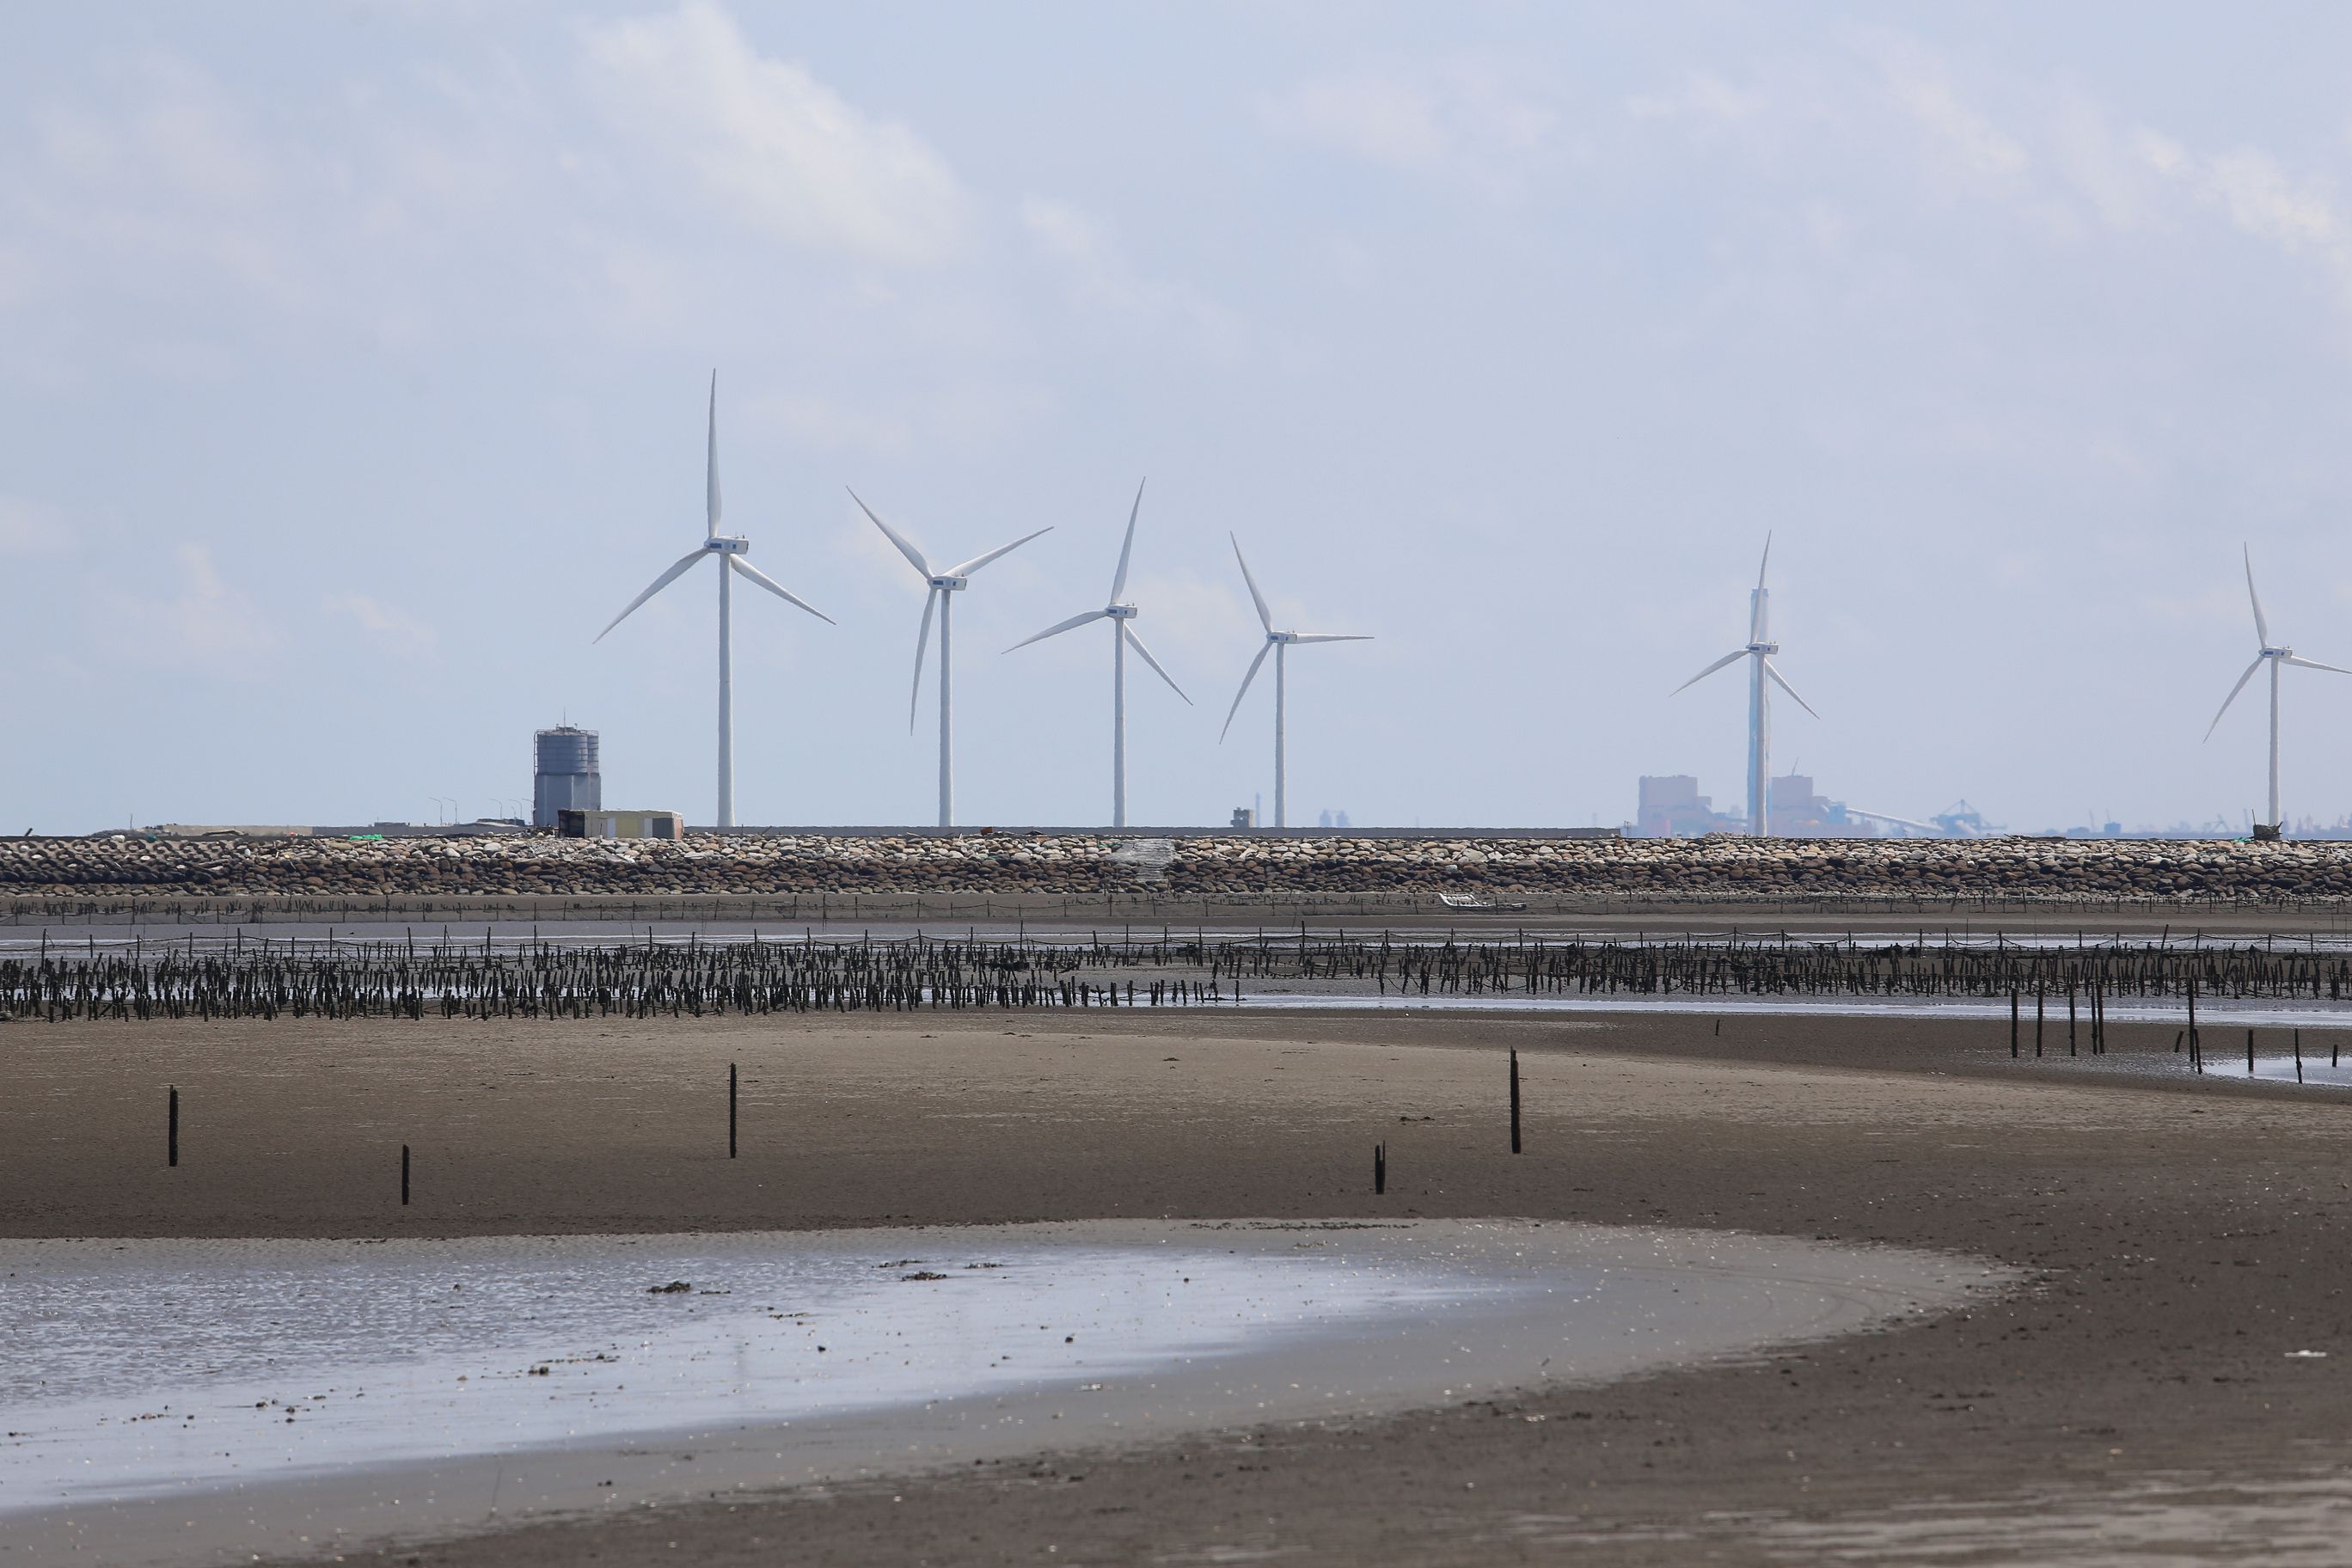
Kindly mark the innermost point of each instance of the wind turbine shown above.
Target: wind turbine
(942, 584)
(1122, 619)
(2275, 657)
(1276, 643)
(1759, 648)
(729, 551)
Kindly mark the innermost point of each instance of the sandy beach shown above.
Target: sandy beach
(2180, 1247)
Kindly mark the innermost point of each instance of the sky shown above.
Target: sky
(357, 358)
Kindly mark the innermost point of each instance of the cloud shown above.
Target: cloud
(30, 528)
(1099, 277)
(778, 147)
(2260, 198)
(831, 425)
(396, 631)
(1462, 120)
(1925, 91)
(208, 622)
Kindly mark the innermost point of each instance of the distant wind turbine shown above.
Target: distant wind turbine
(2275, 657)
(1760, 649)
(729, 550)
(1122, 618)
(1276, 643)
(942, 585)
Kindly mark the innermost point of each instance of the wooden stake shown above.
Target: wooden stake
(404, 1175)
(730, 1110)
(1380, 1168)
(172, 1134)
(1514, 1100)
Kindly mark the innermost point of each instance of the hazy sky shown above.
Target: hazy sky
(355, 359)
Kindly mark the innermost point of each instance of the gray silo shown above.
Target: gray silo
(564, 775)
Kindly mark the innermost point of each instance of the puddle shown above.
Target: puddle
(172, 1400)
(2210, 1012)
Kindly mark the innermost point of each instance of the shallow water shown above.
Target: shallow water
(177, 1401)
(286, 1357)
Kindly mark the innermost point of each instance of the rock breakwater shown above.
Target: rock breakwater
(763, 865)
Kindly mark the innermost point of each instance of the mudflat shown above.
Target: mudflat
(2172, 1374)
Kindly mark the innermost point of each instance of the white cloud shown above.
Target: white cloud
(781, 149)
(1100, 279)
(208, 621)
(1464, 120)
(1923, 90)
(2259, 197)
(396, 630)
(831, 425)
(32, 528)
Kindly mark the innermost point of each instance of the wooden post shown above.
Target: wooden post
(1514, 1100)
(2037, 1020)
(404, 1175)
(2298, 1055)
(172, 1132)
(2070, 1017)
(1380, 1168)
(2012, 1022)
(730, 1110)
(2250, 1053)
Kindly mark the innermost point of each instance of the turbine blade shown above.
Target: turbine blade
(922, 642)
(977, 561)
(1765, 564)
(710, 470)
(664, 581)
(2233, 696)
(1737, 653)
(1330, 636)
(1266, 648)
(1127, 630)
(2300, 662)
(772, 586)
(914, 556)
(1782, 682)
(1264, 616)
(1119, 582)
(1058, 627)
(2261, 626)
(1757, 601)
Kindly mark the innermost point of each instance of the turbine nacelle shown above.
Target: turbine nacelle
(728, 544)
(949, 584)
(1121, 611)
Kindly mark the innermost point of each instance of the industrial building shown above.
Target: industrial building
(1672, 808)
(620, 823)
(564, 775)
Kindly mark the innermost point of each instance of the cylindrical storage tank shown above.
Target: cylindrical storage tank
(564, 774)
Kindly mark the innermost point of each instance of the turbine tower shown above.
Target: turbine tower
(2273, 656)
(1759, 648)
(1276, 643)
(1121, 617)
(940, 585)
(729, 550)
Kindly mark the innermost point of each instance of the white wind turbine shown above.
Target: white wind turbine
(729, 551)
(942, 585)
(1276, 643)
(2274, 656)
(1759, 648)
(1122, 618)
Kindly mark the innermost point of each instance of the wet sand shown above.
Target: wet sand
(2184, 1243)
(547, 1367)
